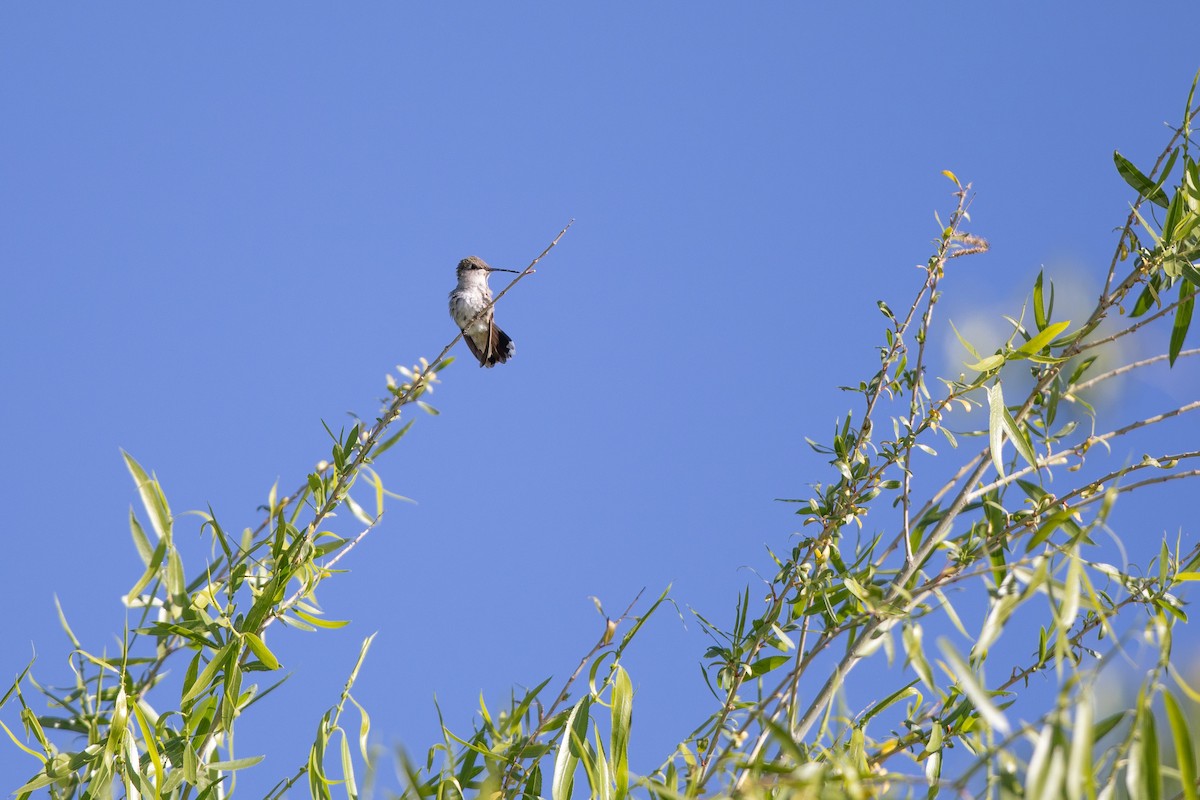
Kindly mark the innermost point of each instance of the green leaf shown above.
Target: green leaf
(1170, 228)
(357, 510)
(1166, 170)
(1185, 751)
(1041, 314)
(913, 646)
(152, 567)
(140, 540)
(1105, 726)
(1060, 519)
(152, 496)
(566, 760)
(19, 744)
(597, 768)
(320, 623)
(1043, 780)
(1080, 777)
(969, 683)
(996, 412)
(1143, 185)
(1146, 299)
(765, 665)
(622, 718)
(1039, 343)
(387, 443)
(1146, 226)
(261, 651)
(970, 349)
(988, 364)
(1150, 757)
(903, 692)
(1183, 319)
(351, 784)
(1020, 438)
(533, 786)
(235, 764)
(176, 585)
(205, 679)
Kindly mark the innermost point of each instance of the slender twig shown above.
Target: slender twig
(1141, 323)
(1056, 459)
(1112, 373)
(936, 271)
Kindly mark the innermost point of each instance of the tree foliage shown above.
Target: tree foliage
(786, 720)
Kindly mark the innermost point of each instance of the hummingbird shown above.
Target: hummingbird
(486, 341)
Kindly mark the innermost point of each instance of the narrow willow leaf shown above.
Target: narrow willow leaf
(176, 585)
(1069, 608)
(1151, 774)
(62, 621)
(1043, 339)
(1145, 302)
(933, 754)
(998, 615)
(21, 745)
(533, 786)
(988, 364)
(140, 540)
(1045, 776)
(149, 737)
(565, 760)
(1146, 226)
(900, 694)
(351, 785)
(598, 770)
(1048, 528)
(1170, 229)
(235, 764)
(970, 349)
(1019, 437)
(205, 679)
(1183, 319)
(357, 510)
(622, 718)
(996, 412)
(967, 680)
(769, 663)
(1080, 779)
(1105, 726)
(261, 651)
(1185, 751)
(153, 499)
(914, 648)
(318, 622)
(1041, 316)
(527, 701)
(318, 784)
(152, 567)
(788, 745)
(1166, 170)
(387, 443)
(1135, 178)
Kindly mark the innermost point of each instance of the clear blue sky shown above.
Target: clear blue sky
(223, 224)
